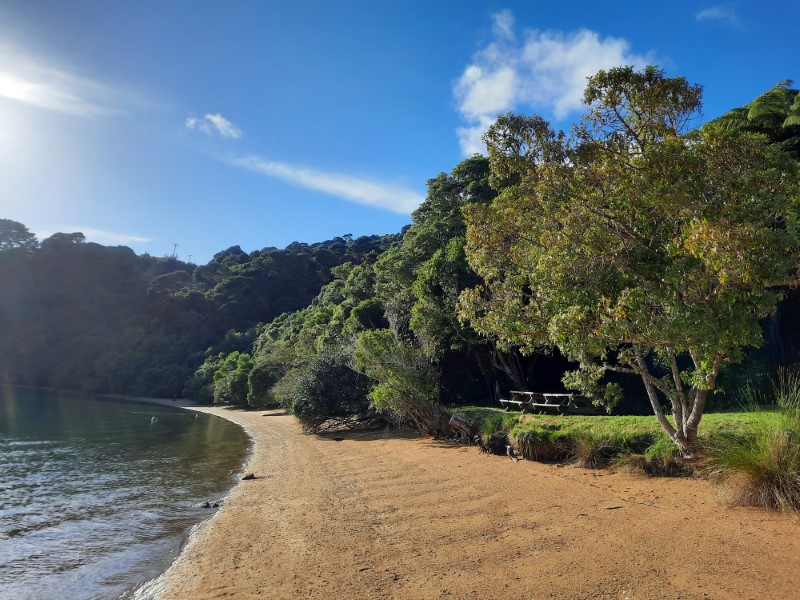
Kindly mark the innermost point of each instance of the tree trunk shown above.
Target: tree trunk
(511, 367)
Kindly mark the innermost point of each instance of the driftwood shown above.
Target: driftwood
(465, 429)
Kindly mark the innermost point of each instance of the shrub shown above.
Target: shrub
(331, 395)
(406, 382)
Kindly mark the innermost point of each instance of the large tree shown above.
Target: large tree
(15, 236)
(419, 282)
(634, 245)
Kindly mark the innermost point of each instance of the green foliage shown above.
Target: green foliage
(425, 273)
(419, 282)
(331, 394)
(267, 371)
(200, 386)
(761, 467)
(230, 379)
(81, 315)
(634, 246)
(775, 113)
(15, 236)
(407, 382)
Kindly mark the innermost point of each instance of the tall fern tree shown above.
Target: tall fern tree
(775, 113)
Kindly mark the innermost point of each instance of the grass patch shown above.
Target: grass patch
(631, 443)
(592, 442)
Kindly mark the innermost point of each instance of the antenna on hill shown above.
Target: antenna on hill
(190, 258)
(174, 250)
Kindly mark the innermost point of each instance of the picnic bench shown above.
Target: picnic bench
(563, 404)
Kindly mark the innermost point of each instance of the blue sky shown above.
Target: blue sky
(204, 124)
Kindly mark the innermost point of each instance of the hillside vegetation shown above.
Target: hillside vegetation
(637, 259)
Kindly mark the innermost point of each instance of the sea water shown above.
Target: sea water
(97, 495)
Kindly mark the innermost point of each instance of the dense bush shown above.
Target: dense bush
(330, 394)
(406, 381)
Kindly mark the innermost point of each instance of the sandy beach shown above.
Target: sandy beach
(391, 516)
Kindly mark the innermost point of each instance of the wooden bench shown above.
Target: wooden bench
(550, 403)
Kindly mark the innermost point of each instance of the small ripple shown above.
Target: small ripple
(99, 507)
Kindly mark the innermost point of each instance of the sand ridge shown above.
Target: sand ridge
(385, 515)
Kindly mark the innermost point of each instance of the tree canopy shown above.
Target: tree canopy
(15, 236)
(635, 244)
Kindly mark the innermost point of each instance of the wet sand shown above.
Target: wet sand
(397, 516)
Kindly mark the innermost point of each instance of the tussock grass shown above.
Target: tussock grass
(660, 459)
(592, 451)
(761, 467)
(494, 423)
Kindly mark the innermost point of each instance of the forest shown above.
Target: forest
(645, 261)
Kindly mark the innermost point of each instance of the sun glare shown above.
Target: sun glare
(17, 89)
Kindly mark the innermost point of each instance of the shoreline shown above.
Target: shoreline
(393, 515)
(153, 588)
(177, 402)
(390, 514)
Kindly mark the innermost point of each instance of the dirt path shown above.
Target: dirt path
(386, 517)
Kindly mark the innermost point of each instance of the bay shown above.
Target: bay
(97, 495)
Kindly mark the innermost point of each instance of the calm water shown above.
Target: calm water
(96, 496)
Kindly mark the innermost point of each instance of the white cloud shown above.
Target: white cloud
(214, 123)
(37, 83)
(720, 13)
(470, 137)
(353, 189)
(484, 90)
(503, 24)
(544, 73)
(99, 236)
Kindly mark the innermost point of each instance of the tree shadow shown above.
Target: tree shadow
(276, 412)
(372, 434)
